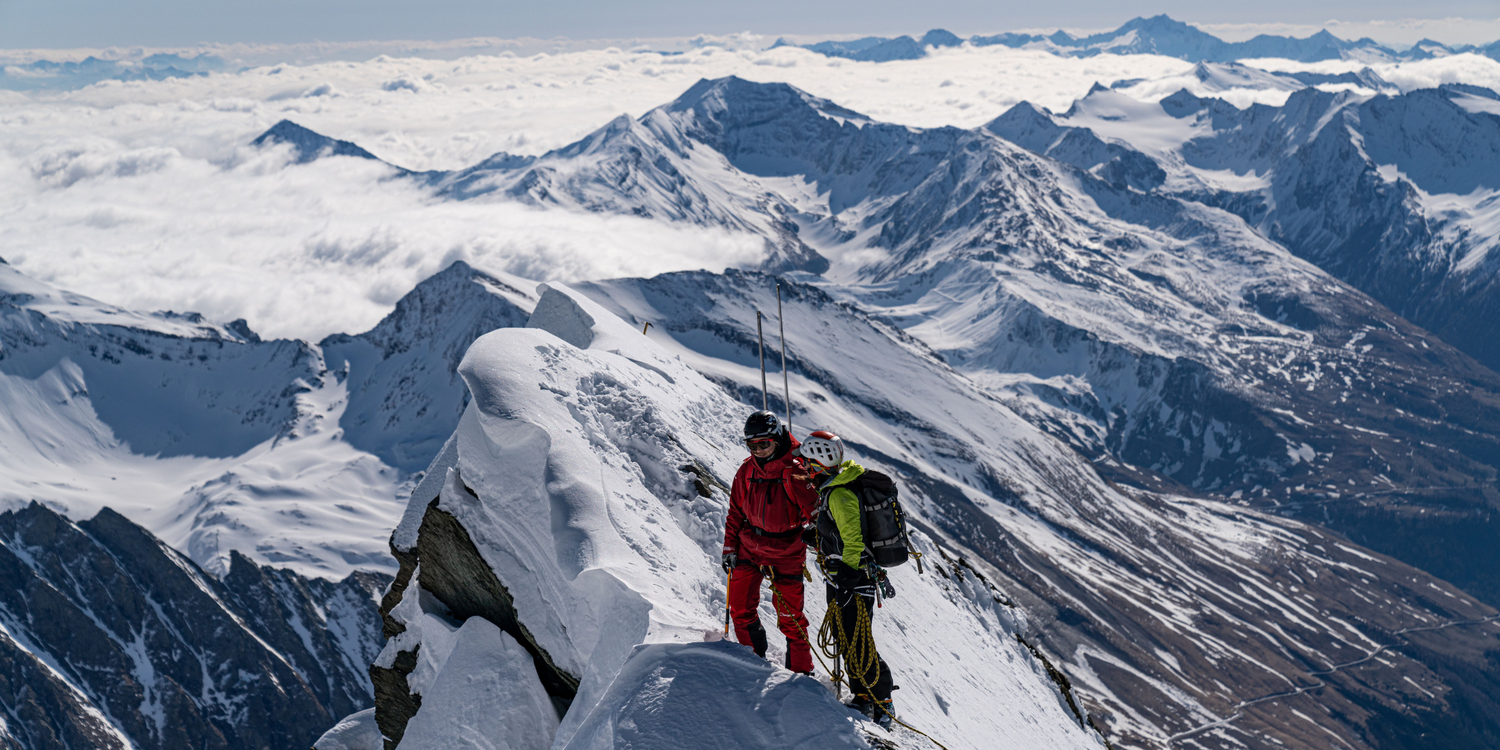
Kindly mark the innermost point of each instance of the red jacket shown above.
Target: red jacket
(768, 499)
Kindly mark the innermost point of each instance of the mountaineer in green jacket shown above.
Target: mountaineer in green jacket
(850, 572)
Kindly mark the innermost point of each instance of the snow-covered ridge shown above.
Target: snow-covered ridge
(23, 292)
(566, 473)
(1394, 194)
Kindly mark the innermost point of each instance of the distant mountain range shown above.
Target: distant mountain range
(1158, 35)
(49, 75)
(1184, 235)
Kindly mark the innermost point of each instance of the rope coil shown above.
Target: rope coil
(835, 643)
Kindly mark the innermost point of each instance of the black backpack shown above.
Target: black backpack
(880, 519)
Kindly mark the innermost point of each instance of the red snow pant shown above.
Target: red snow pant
(744, 601)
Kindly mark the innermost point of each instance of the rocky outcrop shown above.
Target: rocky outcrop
(112, 639)
(454, 573)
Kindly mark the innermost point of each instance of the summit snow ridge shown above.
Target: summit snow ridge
(567, 483)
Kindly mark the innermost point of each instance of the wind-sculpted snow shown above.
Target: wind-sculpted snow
(569, 475)
(405, 395)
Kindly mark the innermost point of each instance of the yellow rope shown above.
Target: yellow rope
(862, 633)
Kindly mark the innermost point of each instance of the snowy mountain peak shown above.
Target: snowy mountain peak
(404, 393)
(308, 145)
(733, 101)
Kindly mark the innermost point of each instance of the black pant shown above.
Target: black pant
(850, 603)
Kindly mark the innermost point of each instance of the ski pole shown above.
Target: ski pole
(764, 403)
(785, 384)
(728, 577)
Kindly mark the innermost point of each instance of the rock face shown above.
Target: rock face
(112, 639)
(308, 145)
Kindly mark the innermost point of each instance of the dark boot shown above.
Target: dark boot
(885, 713)
(758, 638)
(863, 704)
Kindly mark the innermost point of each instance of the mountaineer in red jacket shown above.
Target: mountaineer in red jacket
(768, 511)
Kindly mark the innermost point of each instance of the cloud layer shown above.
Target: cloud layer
(144, 193)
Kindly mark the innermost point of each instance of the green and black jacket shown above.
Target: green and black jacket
(839, 535)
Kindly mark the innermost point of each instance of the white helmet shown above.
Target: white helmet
(823, 448)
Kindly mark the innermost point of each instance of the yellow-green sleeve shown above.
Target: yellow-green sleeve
(844, 506)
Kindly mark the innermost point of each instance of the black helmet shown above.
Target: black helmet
(763, 424)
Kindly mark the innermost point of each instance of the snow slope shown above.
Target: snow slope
(215, 440)
(563, 471)
(1170, 613)
(1394, 194)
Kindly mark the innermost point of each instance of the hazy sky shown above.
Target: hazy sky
(101, 23)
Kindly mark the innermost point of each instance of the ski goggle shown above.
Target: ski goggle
(756, 444)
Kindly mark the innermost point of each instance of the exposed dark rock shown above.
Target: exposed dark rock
(309, 145)
(395, 704)
(452, 572)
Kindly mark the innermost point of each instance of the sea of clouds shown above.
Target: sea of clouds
(146, 193)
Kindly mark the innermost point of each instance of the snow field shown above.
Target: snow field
(224, 470)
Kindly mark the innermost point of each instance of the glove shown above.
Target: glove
(729, 560)
(850, 579)
(810, 536)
